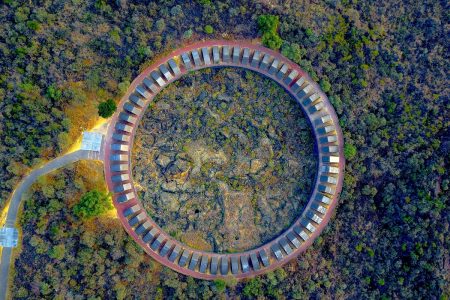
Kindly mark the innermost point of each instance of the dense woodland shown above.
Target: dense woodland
(384, 66)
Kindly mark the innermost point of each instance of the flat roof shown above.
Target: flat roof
(91, 141)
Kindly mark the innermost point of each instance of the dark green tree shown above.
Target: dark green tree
(107, 108)
(253, 288)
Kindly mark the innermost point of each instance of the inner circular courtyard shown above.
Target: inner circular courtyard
(213, 261)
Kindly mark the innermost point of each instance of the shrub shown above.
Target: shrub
(325, 85)
(209, 29)
(92, 204)
(107, 108)
(33, 25)
(267, 23)
(253, 288)
(272, 40)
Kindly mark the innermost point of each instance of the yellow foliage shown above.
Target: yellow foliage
(194, 239)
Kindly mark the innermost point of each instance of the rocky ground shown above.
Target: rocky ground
(224, 160)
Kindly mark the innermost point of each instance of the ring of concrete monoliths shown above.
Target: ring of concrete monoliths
(328, 145)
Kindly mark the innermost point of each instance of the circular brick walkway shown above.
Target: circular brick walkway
(329, 146)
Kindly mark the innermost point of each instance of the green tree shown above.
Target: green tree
(293, 51)
(349, 151)
(325, 85)
(107, 108)
(22, 292)
(205, 2)
(53, 92)
(272, 40)
(123, 86)
(220, 285)
(58, 252)
(45, 288)
(160, 25)
(253, 289)
(92, 204)
(268, 24)
(33, 25)
(209, 29)
(39, 244)
(101, 5)
(188, 34)
(121, 291)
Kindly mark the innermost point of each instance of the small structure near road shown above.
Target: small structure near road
(91, 141)
(8, 237)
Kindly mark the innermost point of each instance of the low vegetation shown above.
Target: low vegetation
(226, 166)
(107, 108)
(268, 25)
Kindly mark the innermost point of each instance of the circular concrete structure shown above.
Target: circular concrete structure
(328, 144)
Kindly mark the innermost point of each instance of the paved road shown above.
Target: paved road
(16, 200)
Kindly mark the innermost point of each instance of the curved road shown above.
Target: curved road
(16, 199)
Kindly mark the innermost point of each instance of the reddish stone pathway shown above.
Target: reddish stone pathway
(329, 146)
(16, 200)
